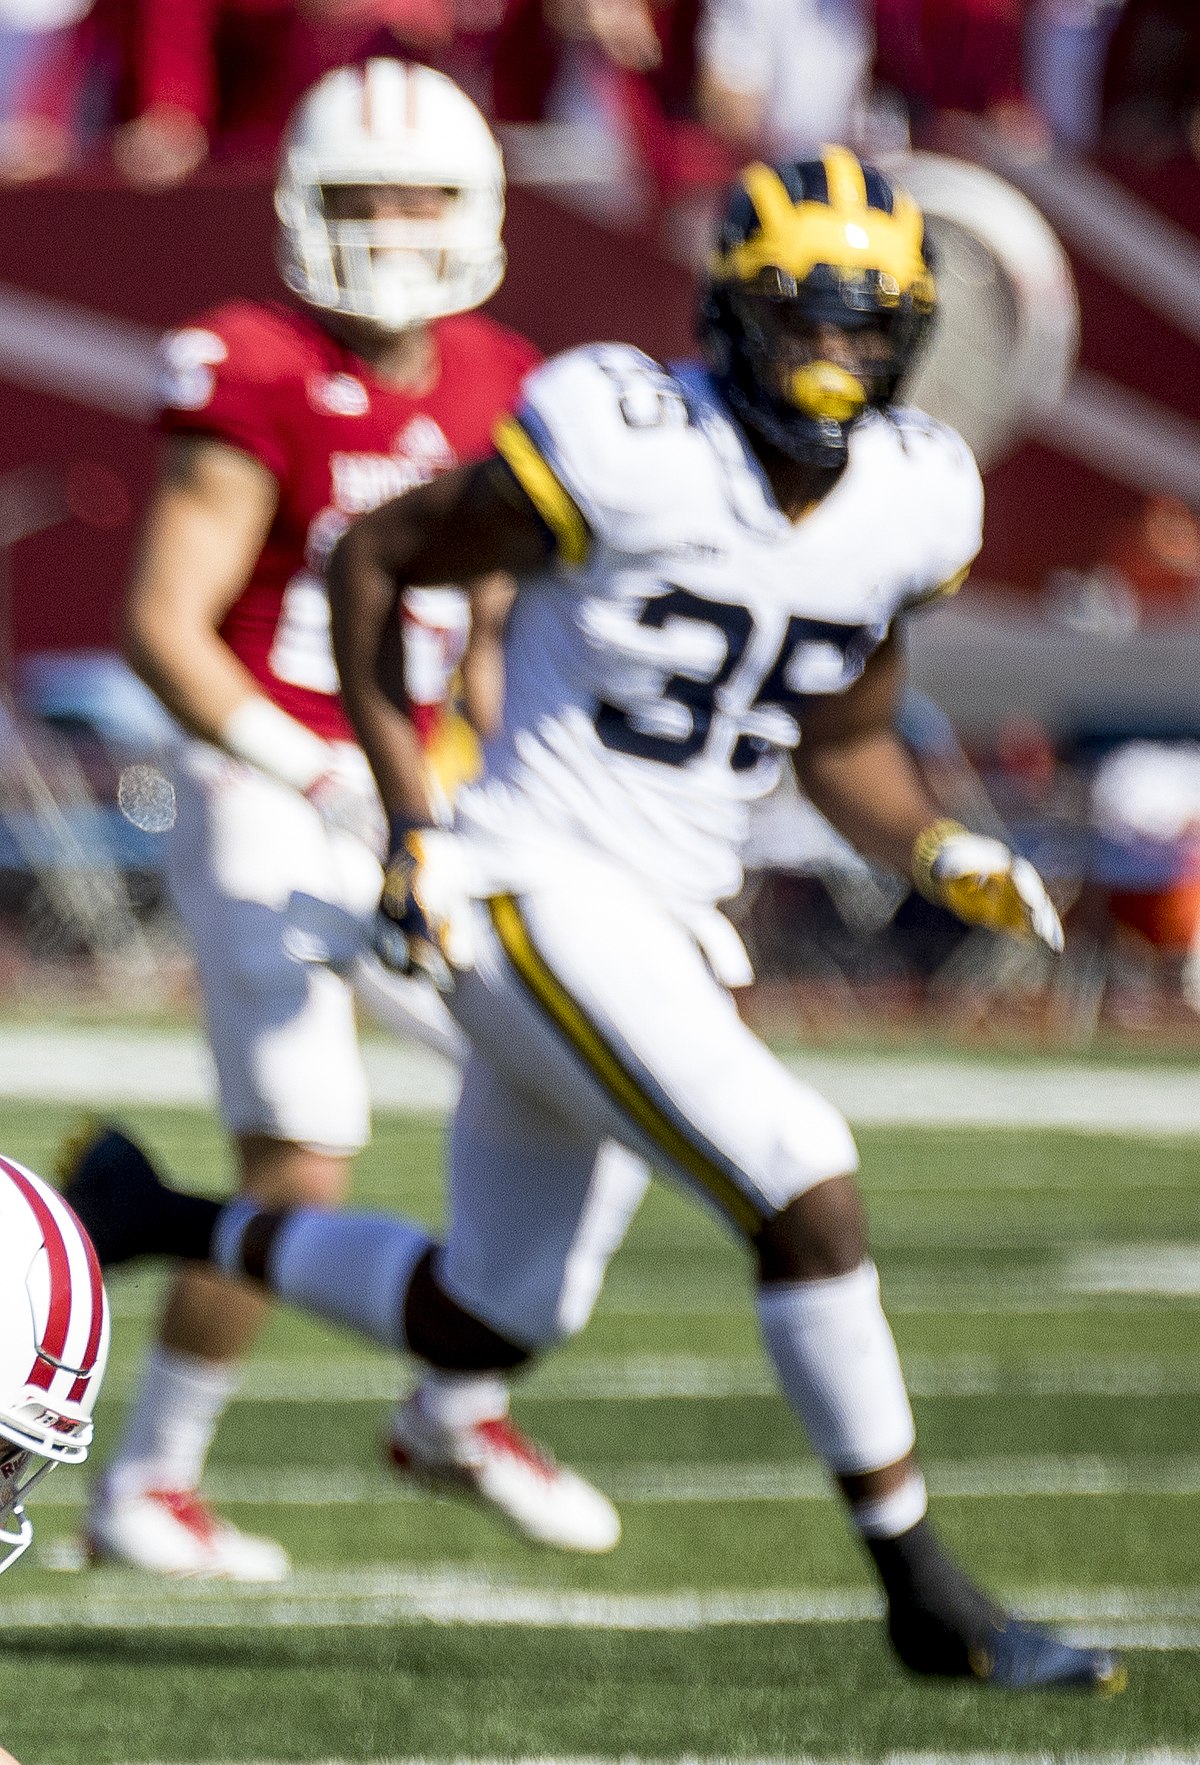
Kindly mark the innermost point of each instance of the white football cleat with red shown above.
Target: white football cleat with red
(173, 1532)
(493, 1464)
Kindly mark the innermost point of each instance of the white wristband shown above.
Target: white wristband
(266, 737)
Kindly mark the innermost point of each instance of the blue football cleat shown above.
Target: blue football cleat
(1024, 1657)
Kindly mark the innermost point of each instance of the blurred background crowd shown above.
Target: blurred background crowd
(682, 88)
(1061, 697)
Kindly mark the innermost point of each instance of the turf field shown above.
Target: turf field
(1045, 1288)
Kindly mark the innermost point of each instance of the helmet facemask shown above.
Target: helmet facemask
(30, 1446)
(771, 292)
(398, 272)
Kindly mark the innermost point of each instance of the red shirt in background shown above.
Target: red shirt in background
(237, 66)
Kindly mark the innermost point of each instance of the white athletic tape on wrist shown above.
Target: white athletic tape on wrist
(267, 738)
(837, 1363)
(893, 1514)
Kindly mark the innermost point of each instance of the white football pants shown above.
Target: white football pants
(259, 880)
(594, 1018)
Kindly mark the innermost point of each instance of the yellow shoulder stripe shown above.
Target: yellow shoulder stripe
(554, 504)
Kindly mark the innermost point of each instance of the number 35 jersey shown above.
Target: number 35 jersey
(659, 668)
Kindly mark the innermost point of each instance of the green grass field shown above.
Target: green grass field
(1039, 1286)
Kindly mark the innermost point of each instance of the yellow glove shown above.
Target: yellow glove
(980, 880)
(424, 922)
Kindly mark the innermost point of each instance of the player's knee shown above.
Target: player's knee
(280, 1173)
(819, 1235)
(440, 1331)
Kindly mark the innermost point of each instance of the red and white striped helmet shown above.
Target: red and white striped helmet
(399, 125)
(54, 1329)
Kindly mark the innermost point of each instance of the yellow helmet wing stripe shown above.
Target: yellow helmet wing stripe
(844, 232)
(551, 500)
(844, 178)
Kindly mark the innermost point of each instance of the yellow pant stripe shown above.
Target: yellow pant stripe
(606, 1067)
(537, 480)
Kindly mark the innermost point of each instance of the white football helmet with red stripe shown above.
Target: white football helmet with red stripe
(54, 1329)
(401, 126)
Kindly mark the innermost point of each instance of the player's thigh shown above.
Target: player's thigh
(282, 1030)
(637, 1038)
(537, 1205)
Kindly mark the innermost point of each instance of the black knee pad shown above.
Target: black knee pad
(258, 1240)
(819, 1235)
(438, 1329)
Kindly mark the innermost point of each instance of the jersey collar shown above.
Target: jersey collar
(709, 411)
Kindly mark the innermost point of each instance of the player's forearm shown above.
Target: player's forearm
(869, 788)
(188, 666)
(363, 598)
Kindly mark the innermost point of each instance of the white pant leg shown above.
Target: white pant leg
(537, 1206)
(282, 1032)
(408, 1007)
(596, 1005)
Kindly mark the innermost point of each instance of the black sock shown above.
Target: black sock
(187, 1225)
(127, 1209)
(936, 1614)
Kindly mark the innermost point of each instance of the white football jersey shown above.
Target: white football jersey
(658, 669)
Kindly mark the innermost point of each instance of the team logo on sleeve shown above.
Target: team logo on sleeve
(186, 360)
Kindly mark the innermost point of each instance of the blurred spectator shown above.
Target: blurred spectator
(1149, 568)
(626, 66)
(181, 78)
(1152, 81)
(1157, 552)
(25, 26)
(959, 55)
(1145, 807)
(1066, 45)
(784, 76)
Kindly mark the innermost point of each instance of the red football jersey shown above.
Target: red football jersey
(271, 381)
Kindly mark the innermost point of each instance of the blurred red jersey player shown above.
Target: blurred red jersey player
(283, 424)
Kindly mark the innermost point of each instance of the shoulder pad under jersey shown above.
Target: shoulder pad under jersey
(596, 444)
(222, 376)
(937, 487)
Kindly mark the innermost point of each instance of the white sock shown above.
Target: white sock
(352, 1269)
(461, 1400)
(837, 1363)
(179, 1403)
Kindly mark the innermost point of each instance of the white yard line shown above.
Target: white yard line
(110, 1068)
(1168, 1270)
(937, 1296)
(696, 1484)
(1141, 1756)
(371, 1595)
(651, 1378)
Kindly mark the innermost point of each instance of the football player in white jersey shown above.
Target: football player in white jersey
(283, 423)
(714, 562)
